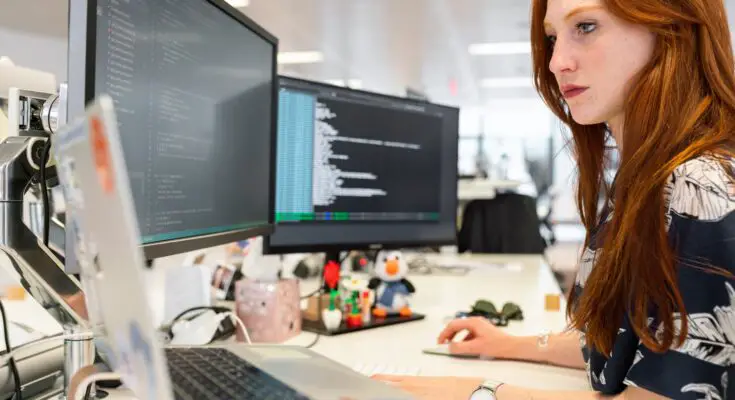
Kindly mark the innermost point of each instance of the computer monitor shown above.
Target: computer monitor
(195, 87)
(359, 170)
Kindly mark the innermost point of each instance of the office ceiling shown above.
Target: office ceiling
(391, 44)
(386, 45)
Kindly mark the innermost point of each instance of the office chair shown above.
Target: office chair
(506, 224)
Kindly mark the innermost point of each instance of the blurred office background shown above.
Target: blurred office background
(469, 53)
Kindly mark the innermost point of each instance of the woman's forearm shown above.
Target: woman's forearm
(509, 392)
(563, 349)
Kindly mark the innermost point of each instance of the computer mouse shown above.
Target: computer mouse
(439, 350)
(443, 350)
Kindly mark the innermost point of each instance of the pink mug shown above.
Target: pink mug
(271, 311)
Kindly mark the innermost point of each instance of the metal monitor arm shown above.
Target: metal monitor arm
(32, 117)
(41, 273)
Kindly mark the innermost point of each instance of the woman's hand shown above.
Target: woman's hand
(434, 388)
(483, 340)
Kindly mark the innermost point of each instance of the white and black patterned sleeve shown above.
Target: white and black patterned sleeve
(701, 222)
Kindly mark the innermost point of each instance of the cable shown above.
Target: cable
(314, 342)
(90, 380)
(88, 392)
(11, 360)
(216, 309)
(30, 182)
(247, 336)
(312, 294)
(316, 339)
(242, 325)
(44, 191)
(321, 277)
(38, 342)
(198, 308)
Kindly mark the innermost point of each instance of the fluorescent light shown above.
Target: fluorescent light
(354, 83)
(300, 57)
(514, 82)
(351, 83)
(239, 3)
(483, 49)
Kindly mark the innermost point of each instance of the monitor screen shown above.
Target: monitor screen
(194, 87)
(357, 169)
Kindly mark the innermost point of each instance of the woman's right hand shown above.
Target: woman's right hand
(483, 339)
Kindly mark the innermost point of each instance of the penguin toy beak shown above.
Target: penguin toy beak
(391, 267)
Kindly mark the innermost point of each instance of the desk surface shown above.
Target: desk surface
(525, 281)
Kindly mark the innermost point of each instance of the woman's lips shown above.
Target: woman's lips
(571, 91)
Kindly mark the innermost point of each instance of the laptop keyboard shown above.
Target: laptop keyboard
(218, 374)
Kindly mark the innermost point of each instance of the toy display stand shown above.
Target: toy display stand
(318, 326)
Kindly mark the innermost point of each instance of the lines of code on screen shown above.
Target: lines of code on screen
(193, 116)
(344, 159)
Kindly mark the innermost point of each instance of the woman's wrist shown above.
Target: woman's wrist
(510, 392)
(525, 348)
(555, 349)
(499, 392)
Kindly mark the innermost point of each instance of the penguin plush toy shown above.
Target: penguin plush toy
(392, 289)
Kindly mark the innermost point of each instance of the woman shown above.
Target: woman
(654, 300)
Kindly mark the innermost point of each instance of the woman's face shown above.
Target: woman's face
(595, 56)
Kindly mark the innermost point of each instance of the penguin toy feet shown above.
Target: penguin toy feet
(380, 312)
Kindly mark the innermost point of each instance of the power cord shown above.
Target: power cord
(88, 392)
(319, 307)
(216, 309)
(312, 294)
(321, 277)
(90, 380)
(11, 359)
(241, 324)
(53, 338)
(314, 342)
(44, 191)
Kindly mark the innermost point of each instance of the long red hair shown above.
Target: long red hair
(681, 105)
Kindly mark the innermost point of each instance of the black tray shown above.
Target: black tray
(318, 326)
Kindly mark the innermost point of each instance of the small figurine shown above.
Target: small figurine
(351, 290)
(354, 318)
(332, 316)
(392, 289)
(331, 276)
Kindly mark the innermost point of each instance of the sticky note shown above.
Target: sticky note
(552, 302)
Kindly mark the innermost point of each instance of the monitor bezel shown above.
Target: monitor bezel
(165, 248)
(269, 248)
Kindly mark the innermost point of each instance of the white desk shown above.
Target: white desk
(439, 297)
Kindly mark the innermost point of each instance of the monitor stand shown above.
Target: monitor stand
(318, 326)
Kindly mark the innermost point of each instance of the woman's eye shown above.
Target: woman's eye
(586, 27)
(551, 39)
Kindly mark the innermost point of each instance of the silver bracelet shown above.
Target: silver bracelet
(542, 342)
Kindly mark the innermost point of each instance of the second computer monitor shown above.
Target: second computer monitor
(358, 170)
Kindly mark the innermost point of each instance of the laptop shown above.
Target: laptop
(94, 179)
